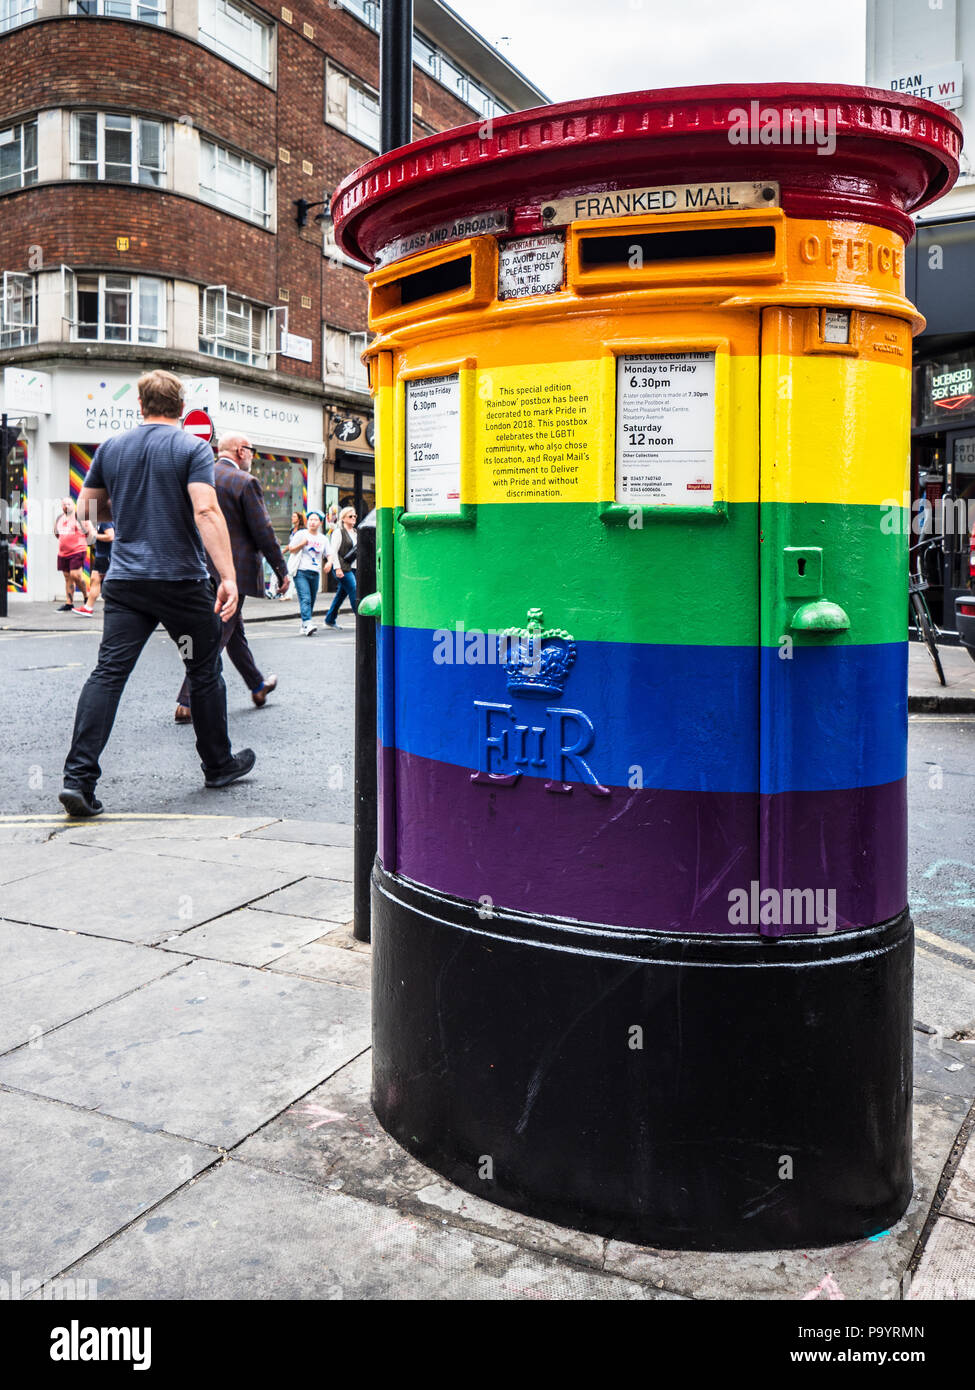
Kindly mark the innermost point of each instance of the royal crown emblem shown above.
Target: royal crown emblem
(536, 660)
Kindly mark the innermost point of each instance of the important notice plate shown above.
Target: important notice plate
(531, 265)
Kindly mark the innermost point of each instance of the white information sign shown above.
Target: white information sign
(836, 326)
(665, 429)
(26, 390)
(433, 444)
(531, 265)
(201, 392)
(293, 345)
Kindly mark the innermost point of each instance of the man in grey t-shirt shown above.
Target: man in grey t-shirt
(156, 486)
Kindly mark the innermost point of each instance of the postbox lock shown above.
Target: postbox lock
(820, 616)
(802, 571)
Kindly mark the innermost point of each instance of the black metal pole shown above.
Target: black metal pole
(395, 128)
(396, 74)
(366, 781)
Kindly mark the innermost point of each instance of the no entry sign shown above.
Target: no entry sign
(199, 423)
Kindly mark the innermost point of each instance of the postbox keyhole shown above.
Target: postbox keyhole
(801, 564)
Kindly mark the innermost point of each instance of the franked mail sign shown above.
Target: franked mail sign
(433, 444)
(665, 429)
(664, 198)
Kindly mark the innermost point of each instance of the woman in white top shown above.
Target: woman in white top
(341, 556)
(310, 545)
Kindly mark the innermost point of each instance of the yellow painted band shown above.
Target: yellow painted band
(833, 427)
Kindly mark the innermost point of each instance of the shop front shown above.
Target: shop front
(85, 407)
(940, 276)
(351, 467)
(943, 474)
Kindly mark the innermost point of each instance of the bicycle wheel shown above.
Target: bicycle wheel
(926, 632)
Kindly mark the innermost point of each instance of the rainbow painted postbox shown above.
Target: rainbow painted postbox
(642, 382)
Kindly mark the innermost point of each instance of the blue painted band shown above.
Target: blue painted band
(679, 718)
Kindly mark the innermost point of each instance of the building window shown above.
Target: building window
(18, 156)
(232, 327)
(18, 310)
(16, 12)
(146, 11)
(237, 35)
(119, 309)
(234, 183)
(343, 365)
(351, 107)
(108, 146)
(441, 68)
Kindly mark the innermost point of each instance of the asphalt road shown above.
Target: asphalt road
(941, 841)
(304, 737)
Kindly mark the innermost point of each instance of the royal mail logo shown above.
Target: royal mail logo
(537, 662)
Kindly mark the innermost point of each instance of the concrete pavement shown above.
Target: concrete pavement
(184, 1081)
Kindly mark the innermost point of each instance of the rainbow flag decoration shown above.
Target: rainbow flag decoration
(79, 462)
(19, 585)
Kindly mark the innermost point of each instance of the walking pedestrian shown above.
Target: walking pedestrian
(241, 500)
(73, 538)
(156, 484)
(104, 535)
(341, 559)
(309, 542)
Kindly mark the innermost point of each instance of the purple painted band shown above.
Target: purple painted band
(657, 860)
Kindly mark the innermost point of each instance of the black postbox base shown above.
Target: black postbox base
(697, 1093)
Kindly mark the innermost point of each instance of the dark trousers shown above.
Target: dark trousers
(344, 588)
(133, 607)
(233, 641)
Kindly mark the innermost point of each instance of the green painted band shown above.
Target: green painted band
(680, 585)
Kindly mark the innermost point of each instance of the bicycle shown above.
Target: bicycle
(927, 629)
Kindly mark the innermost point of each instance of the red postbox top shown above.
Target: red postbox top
(866, 155)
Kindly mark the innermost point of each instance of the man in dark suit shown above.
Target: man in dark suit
(251, 536)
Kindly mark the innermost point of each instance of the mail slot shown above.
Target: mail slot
(642, 947)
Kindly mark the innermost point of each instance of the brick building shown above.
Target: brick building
(152, 158)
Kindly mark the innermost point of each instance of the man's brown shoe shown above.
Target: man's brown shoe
(260, 696)
(183, 715)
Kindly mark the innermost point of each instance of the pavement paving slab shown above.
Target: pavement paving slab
(960, 1201)
(944, 994)
(67, 862)
(25, 835)
(142, 897)
(281, 856)
(122, 831)
(284, 1239)
(48, 977)
(944, 1066)
(209, 1052)
(332, 1137)
(308, 832)
(325, 899)
(72, 1179)
(247, 937)
(321, 961)
(947, 1267)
